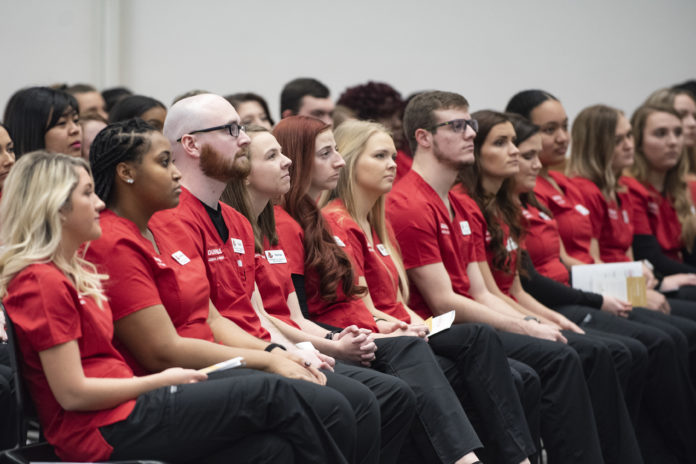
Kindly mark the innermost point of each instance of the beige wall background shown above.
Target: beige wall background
(584, 52)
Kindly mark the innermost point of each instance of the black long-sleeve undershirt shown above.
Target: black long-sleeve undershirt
(647, 247)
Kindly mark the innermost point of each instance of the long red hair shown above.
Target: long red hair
(297, 136)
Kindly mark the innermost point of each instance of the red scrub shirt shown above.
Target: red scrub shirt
(543, 244)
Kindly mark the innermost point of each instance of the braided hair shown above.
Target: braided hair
(117, 143)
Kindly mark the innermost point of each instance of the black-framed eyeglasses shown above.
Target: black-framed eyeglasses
(233, 128)
(458, 125)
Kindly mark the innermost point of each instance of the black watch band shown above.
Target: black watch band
(272, 346)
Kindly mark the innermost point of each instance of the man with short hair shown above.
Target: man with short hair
(209, 147)
(438, 255)
(88, 100)
(307, 97)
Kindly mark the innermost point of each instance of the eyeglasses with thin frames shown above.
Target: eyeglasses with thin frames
(458, 125)
(233, 128)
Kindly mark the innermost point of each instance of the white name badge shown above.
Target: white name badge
(276, 256)
(582, 210)
(181, 258)
(466, 229)
(511, 244)
(382, 249)
(339, 242)
(625, 215)
(237, 245)
(544, 216)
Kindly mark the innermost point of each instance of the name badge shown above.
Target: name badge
(582, 210)
(237, 246)
(624, 213)
(276, 256)
(544, 216)
(181, 258)
(339, 242)
(466, 229)
(613, 214)
(240, 263)
(382, 249)
(511, 244)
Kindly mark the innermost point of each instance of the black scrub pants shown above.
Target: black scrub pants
(441, 432)
(246, 415)
(7, 401)
(473, 359)
(567, 423)
(669, 401)
(389, 408)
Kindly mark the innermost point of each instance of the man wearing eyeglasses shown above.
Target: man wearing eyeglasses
(210, 155)
(439, 258)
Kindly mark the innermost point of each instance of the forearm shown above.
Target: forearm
(647, 247)
(295, 335)
(533, 307)
(468, 310)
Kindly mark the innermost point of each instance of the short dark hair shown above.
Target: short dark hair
(689, 86)
(80, 88)
(372, 101)
(31, 112)
(133, 106)
(291, 96)
(237, 99)
(419, 113)
(116, 143)
(523, 103)
(113, 95)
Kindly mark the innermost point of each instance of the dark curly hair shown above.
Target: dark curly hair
(372, 101)
(116, 143)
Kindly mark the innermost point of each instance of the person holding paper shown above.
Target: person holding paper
(495, 185)
(356, 210)
(90, 404)
(325, 281)
(162, 310)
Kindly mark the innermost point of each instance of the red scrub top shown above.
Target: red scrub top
(543, 244)
(481, 238)
(403, 164)
(371, 260)
(611, 223)
(653, 214)
(47, 311)
(341, 312)
(140, 277)
(275, 282)
(229, 266)
(427, 235)
(571, 215)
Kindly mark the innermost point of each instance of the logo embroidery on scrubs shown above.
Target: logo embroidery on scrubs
(544, 216)
(527, 214)
(624, 213)
(276, 256)
(558, 199)
(652, 207)
(237, 245)
(181, 258)
(511, 244)
(613, 215)
(215, 254)
(159, 262)
(339, 242)
(466, 229)
(582, 210)
(369, 248)
(488, 237)
(444, 229)
(382, 249)
(82, 301)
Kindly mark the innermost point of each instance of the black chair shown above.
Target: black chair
(26, 417)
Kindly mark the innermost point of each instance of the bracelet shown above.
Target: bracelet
(532, 318)
(272, 346)
(377, 319)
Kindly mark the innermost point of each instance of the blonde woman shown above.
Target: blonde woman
(90, 404)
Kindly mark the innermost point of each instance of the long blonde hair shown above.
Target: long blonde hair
(676, 187)
(351, 138)
(37, 189)
(592, 148)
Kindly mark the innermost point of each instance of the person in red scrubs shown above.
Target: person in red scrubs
(357, 215)
(322, 270)
(91, 406)
(163, 314)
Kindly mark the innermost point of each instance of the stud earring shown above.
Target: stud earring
(129, 181)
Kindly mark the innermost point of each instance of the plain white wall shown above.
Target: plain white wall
(615, 52)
